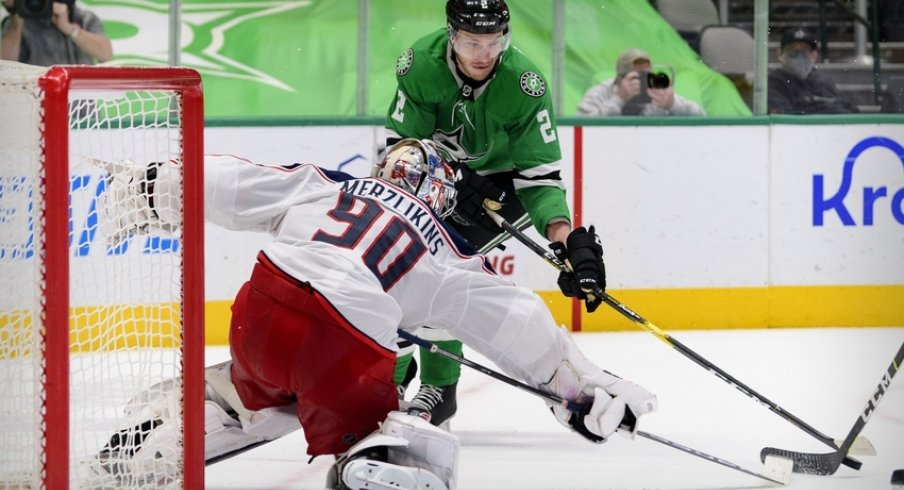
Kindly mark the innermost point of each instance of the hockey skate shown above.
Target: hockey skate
(435, 404)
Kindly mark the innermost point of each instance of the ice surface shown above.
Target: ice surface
(509, 440)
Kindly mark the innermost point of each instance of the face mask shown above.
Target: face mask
(799, 64)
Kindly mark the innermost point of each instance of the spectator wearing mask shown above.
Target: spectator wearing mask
(629, 94)
(798, 87)
(67, 35)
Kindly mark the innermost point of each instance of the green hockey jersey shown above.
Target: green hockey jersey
(504, 125)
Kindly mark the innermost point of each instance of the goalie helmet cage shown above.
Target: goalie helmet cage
(93, 332)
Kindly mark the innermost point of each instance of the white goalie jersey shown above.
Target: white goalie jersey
(381, 257)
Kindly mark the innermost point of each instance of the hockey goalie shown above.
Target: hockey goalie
(314, 329)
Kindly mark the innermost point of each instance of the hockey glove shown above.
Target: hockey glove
(612, 402)
(473, 190)
(128, 202)
(583, 253)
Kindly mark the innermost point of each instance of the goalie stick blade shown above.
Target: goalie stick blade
(822, 464)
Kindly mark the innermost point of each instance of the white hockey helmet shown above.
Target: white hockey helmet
(417, 166)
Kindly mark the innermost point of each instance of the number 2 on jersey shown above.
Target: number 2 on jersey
(397, 114)
(546, 131)
(388, 238)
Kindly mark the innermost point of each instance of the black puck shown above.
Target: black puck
(897, 477)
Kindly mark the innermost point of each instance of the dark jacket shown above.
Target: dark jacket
(816, 94)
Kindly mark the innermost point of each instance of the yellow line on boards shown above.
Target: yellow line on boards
(707, 308)
(116, 327)
(729, 308)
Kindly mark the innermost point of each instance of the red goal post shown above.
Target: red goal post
(87, 324)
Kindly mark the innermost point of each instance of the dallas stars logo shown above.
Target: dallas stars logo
(532, 84)
(451, 143)
(202, 34)
(403, 64)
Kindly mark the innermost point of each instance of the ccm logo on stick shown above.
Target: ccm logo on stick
(871, 197)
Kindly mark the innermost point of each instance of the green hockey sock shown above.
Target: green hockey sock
(438, 370)
(401, 367)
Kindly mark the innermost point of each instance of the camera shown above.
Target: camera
(40, 9)
(657, 79)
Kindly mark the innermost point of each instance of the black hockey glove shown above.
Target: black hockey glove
(584, 253)
(473, 189)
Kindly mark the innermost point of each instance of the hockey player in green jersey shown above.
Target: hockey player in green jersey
(488, 107)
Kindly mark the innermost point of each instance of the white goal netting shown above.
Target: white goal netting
(123, 293)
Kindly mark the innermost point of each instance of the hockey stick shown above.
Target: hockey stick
(668, 339)
(780, 473)
(827, 463)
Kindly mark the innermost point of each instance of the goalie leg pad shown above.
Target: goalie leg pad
(229, 426)
(268, 423)
(223, 434)
(415, 451)
(365, 473)
(429, 447)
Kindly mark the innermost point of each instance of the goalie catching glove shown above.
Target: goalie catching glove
(612, 403)
(128, 204)
(475, 191)
(583, 254)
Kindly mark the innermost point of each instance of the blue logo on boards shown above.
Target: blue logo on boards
(17, 205)
(873, 198)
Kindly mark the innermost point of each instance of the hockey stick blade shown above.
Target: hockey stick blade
(822, 464)
(781, 477)
(671, 341)
(827, 463)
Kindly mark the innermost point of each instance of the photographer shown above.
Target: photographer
(637, 90)
(52, 32)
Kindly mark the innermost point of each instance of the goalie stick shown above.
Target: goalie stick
(774, 467)
(827, 463)
(670, 341)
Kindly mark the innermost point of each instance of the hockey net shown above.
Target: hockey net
(96, 322)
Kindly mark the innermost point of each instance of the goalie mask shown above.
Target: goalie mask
(417, 166)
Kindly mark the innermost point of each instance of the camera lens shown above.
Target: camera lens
(658, 80)
(34, 8)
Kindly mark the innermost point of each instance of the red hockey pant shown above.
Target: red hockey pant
(289, 345)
